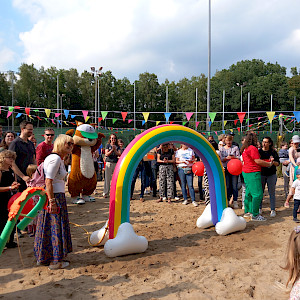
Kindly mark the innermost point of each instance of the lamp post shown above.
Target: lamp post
(61, 110)
(209, 66)
(96, 73)
(241, 85)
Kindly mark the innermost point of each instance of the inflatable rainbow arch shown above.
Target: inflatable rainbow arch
(119, 207)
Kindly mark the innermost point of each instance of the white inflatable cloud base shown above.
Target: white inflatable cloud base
(126, 242)
(99, 235)
(205, 220)
(230, 222)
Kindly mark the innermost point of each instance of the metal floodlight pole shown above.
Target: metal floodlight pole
(209, 66)
(196, 108)
(223, 107)
(248, 110)
(134, 125)
(57, 99)
(271, 110)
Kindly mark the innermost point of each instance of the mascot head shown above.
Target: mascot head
(85, 135)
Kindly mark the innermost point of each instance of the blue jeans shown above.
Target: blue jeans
(296, 206)
(271, 181)
(231, 185)
(140, 168)
(186, 179)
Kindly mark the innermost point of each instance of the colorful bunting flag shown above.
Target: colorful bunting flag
(47, 112)
(167, 116)
(104, 114)
(56, 115)
(189, 115)
(270, 115)
(197, 123)
(19, 115)
(66, 112)
(114, 120)
(225, 122)
(241, 116)
(130, 120)
(27, 110)
(124, 115)
(100, 119)
(297, 115)
(157, 122)
(212, 116)
(146, 116)
(85, 113)
(183, 123)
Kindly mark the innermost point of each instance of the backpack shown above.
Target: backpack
(38, 177)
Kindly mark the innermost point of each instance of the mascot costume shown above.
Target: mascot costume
(83, 179)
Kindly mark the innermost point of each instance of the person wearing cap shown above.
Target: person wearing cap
(112, 152)
(293, 155)
(268, 174)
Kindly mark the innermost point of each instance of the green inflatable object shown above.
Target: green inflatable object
(27, 219)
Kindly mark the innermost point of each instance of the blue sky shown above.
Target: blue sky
(165, 37)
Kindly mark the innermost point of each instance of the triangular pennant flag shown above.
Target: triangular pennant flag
(157, 122)
(66, 112)
(59, 122)
(87, 118)
(197, 123)
(241, 116)
(27, 110)
(11, 108)
(39, 118)
(209, 123)
(17, 107)
(47, 112)
(235, 121)
(212, 116)
(130, 120)
(18, 115)
(52, 121)
(56, 115)
(216, 132)
(36, 110)
(231, 130)
(73, 116)
(146, 116)
(124, 115)
(167, 116)
(188, 115)
(114, 120)
(225, 122)
(171, 122)
(270, 115)
(143, 122)
(30, 117)
(104, 114)
(100, 119)
(239, 129)
(297, 115)
(46, 119)
(66, 123)
(9, 114)
(183, 123)
(0, 109)
(259, 118)
(85, 113)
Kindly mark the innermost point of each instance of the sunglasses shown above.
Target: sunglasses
(49, 134)
(70, 144)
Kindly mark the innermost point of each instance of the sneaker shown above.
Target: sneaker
(247, 215)
(296, 220)
(59, 265)
(104, 195)
(147, 192)
(164, 198)
(78, 200)
(235, 205)
(258, 218)
(195, 203)
(176, 198)
(185, 202)
(243, 207)
(87, 198)
(273, 213)
(260, 211)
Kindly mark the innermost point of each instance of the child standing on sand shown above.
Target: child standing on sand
(293, 263)
(295, 189)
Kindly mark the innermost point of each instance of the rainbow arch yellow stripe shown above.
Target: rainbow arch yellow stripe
(119, 207)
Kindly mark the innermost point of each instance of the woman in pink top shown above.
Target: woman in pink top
(252, 177)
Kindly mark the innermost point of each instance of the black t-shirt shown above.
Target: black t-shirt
(168, 155)
(265, 155)
(113, 158)
(25, 153)
(7, 178)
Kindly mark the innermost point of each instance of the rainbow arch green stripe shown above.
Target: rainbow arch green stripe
(119, 208)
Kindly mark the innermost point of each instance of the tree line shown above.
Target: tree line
(32, 87)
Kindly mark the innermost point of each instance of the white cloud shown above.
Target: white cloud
(6, 56)
(168, 38)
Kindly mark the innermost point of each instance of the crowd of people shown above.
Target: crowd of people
(159, 171)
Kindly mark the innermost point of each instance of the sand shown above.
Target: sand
(182, 261)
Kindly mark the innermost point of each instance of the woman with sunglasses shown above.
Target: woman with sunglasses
(45, 148)
(53, 237)
(8, 137)
(112, 152)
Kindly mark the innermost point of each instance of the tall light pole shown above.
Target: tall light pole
(241, 85)
(96, 73)
(209, 65)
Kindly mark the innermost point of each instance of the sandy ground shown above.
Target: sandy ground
(182, 261)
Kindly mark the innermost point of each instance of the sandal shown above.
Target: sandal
(59, 265)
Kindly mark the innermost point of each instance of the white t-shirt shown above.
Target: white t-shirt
(296, 185)
(185, 156)
(295, 292)
(54, 168)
